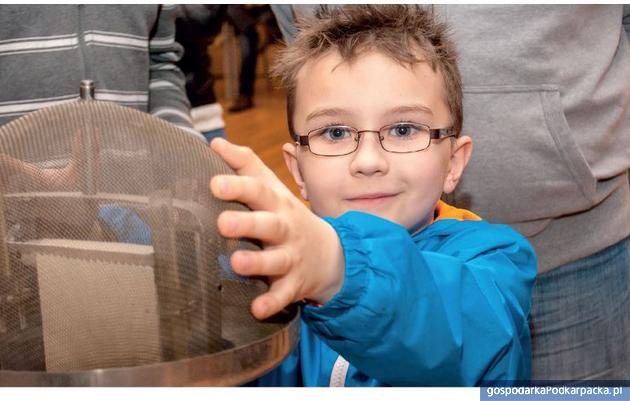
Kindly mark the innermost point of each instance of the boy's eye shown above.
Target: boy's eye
(403, 130)
(336, 133)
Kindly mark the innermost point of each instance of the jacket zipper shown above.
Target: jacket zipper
(82, 47)
(339, 372)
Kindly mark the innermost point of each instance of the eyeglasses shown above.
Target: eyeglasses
(341, 140)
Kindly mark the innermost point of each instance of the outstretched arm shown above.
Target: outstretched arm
(450, 309)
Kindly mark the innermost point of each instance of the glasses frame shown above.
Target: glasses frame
(434, 133)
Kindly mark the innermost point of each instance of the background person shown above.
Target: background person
(129, 51)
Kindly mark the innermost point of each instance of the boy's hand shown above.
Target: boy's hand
(302, 255)
(50, 179)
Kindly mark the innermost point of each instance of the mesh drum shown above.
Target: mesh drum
(112, 271)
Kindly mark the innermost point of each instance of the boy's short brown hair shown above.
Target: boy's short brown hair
(398, 31)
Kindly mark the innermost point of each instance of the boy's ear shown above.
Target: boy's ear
(289, 152)
(460, 155)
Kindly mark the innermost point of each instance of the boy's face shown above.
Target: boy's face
(371, 92)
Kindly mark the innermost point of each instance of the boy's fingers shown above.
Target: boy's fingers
(281, 294)
(242, 159)
(248, 190)
(262, 225)
(270, 262)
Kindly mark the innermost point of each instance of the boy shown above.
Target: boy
(400, 288)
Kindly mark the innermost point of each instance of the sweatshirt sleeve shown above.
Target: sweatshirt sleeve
(455, 315)
(167, 93)
(626, 19)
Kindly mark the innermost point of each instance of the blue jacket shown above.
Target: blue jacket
(446, 306)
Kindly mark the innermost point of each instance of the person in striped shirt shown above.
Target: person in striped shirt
(129, 51)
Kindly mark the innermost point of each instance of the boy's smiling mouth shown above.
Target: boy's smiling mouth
(371, 199)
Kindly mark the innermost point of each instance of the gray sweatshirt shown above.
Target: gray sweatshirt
(128, 50)
(547, 103)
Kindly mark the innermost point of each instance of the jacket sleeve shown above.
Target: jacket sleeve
(456, 315)
(167, 93)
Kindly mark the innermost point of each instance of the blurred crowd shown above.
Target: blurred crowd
(198, 26)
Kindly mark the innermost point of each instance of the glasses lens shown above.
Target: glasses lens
(332, 141)
(405, 137)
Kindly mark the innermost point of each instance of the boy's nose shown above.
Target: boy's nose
(370, 157)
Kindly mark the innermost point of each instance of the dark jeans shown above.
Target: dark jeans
(197, 26)
(244, 22)
(581, 318)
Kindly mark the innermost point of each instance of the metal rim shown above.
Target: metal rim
(226, 368)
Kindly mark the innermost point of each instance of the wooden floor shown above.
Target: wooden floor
(262, 128)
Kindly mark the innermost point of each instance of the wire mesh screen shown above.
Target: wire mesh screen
(109, 254)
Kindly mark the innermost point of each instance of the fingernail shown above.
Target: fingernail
(243, 263)
(263, 309)
(223, 185)
(233, 225)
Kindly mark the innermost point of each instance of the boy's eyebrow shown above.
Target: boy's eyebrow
(329, 112)
(416, 108)
(336, 111)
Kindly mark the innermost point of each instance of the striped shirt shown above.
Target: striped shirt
(129, 51)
